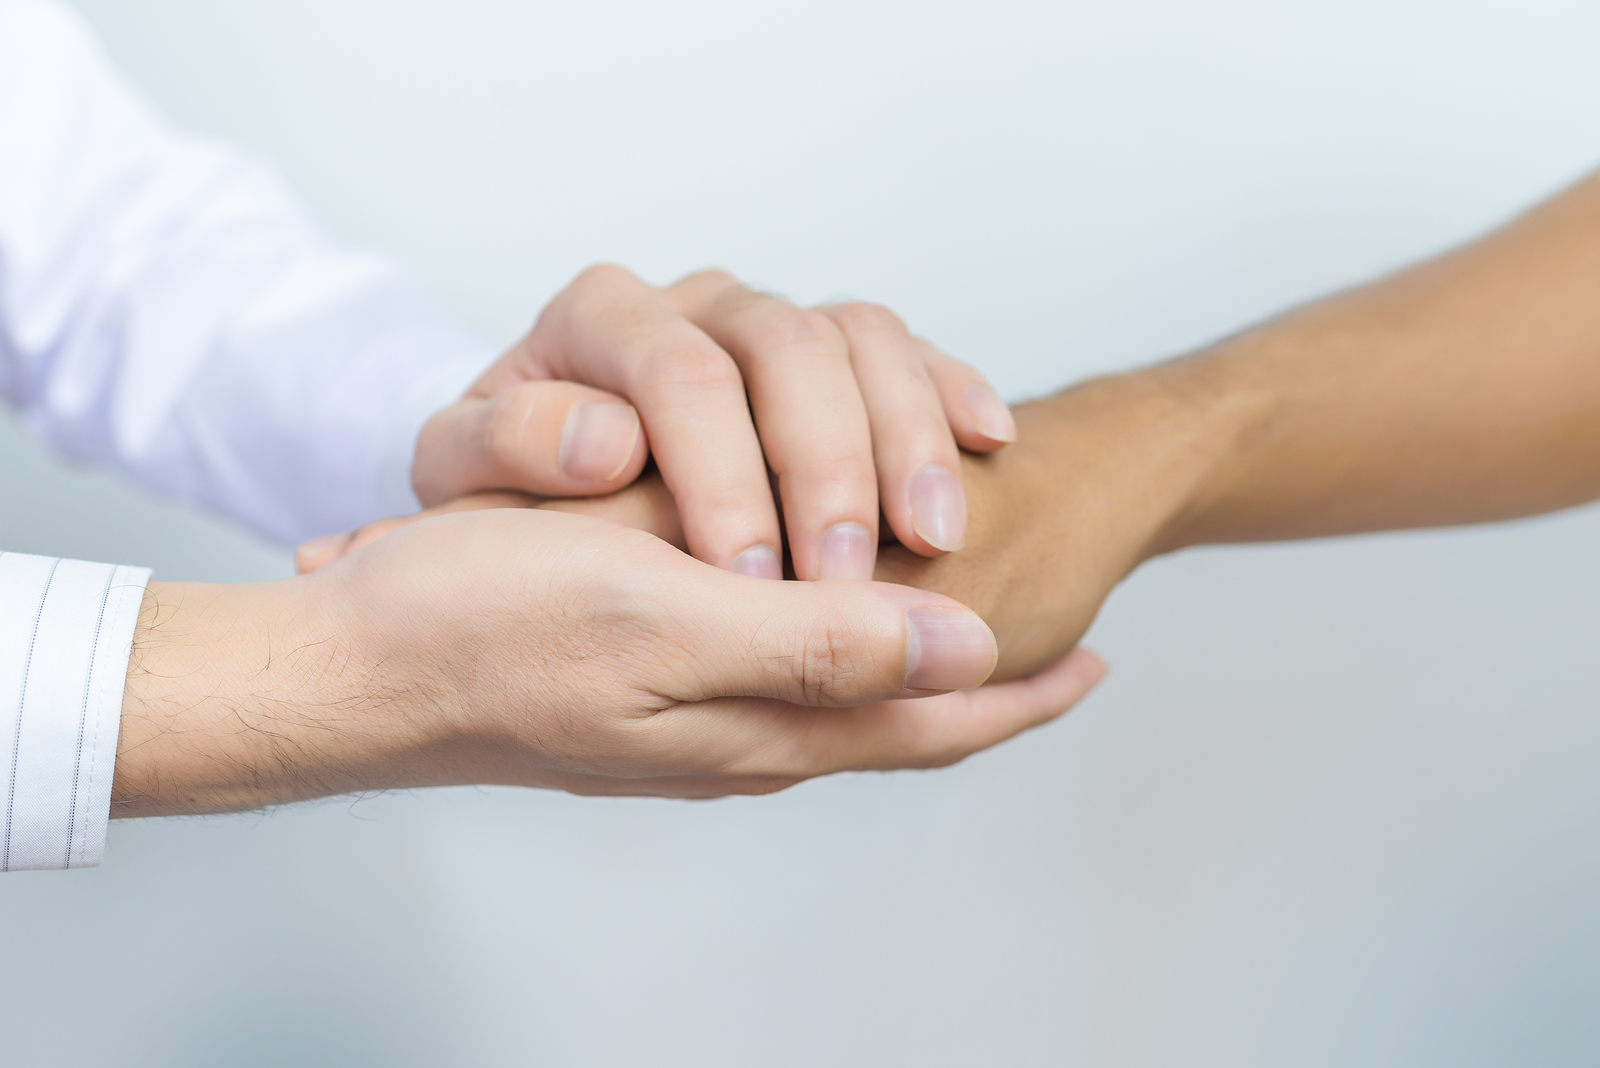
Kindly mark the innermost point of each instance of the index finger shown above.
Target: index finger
(613, 331)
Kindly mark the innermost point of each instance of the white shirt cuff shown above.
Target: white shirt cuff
(66, 629)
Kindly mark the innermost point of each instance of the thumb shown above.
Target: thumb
(832, 643)
(550, 438)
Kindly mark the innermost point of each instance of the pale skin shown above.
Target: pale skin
(719, 383)
(1463, 390)
(533, 648)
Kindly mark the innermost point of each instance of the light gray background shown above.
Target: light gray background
(1337, 805)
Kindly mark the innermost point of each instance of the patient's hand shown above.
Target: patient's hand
(850, 411)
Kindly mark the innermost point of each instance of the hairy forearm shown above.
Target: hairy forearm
(1463, 390)
(241, 696)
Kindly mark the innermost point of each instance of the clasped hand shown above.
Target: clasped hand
(486, 644)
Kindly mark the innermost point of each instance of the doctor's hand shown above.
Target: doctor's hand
(534, 648)
(719, 382)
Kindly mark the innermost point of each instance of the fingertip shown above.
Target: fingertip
(318, 552)
(600, 441)
(548, 437)
(849, 551)
(988, 424)
(948, 649)
(758, 561)
(938, 508)
(1094, 664)
(1079, 672)
(978, 416)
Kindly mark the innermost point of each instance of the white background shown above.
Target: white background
(1337, 805)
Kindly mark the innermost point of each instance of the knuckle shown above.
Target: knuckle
(832, 664)
(711, 278)
(730, 499)
(775, 332)
(862, 317)
(789, 328)
(832, 472)
(602, 276)
(693, 366)
(948, 368)
(504, 431)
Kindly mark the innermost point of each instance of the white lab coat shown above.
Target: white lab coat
(168, 309)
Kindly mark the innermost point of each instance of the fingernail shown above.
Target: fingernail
(947, 649)
(313, 553)
(938, 508)
(598, 440)
(758, 561)
(848, 552)
(990, 416)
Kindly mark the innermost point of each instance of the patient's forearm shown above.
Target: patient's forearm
(1463, 390)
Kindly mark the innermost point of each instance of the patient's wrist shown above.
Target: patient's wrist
(1141, 450)
(1159, 445)
(1221, 415)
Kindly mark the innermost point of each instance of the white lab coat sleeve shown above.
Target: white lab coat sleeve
(66, 627)
(168, 309)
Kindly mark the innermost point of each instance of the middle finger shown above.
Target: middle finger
(810, 417)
